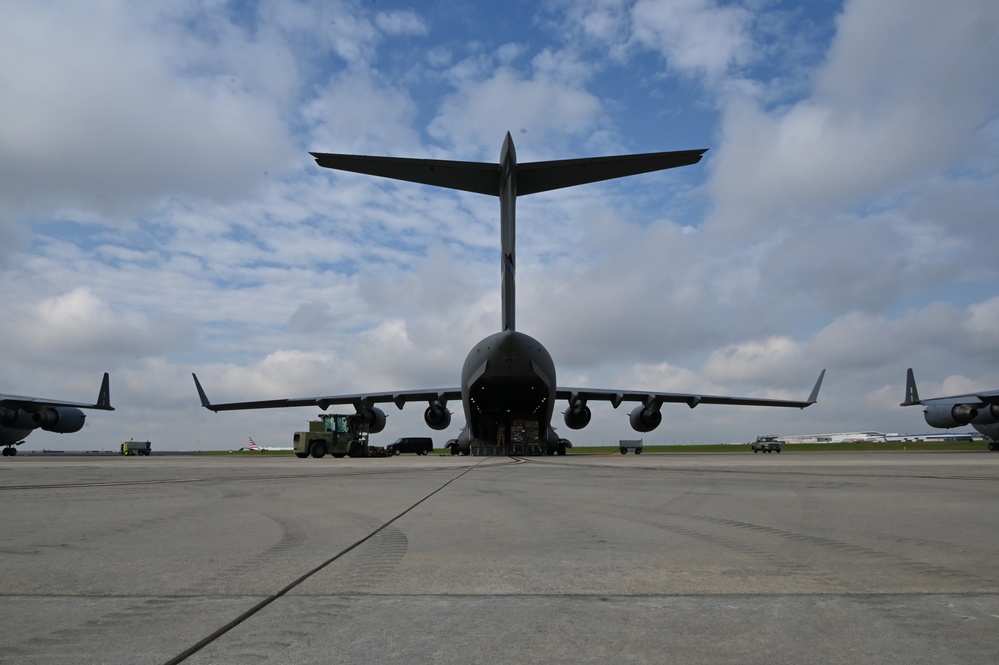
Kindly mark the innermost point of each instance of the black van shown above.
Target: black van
(421, 445)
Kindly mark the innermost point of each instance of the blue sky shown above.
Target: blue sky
(160, 214)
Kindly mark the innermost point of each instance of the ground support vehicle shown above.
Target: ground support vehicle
(767, 444)
(634, 445)
(340, 435)
(421, 445)
(135, 448)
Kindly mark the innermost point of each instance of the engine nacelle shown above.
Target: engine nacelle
(437, 416)
(577, 416)
(373, 417)
(60, 419)
(987, 415)
(949, 415)
(17, 419)
(645, 419)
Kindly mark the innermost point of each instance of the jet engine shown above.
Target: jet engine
(577, 416)
(949, 415)
(374, 417)
(16, 418)
(987, 415)
(645, 418)
(60, 419)
(437, 416)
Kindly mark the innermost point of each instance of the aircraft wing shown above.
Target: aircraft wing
(912, 395)
(30, 403)
(982, 398)
(656, 399)
(357, 400)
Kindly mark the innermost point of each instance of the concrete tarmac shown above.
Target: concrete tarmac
(672, 558)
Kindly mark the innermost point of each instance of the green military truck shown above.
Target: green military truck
(337, 434)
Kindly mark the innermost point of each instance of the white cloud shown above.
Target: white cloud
(77, 328)
(755, 360)
(843, 217)
(104, 110)
(698, 37)
(902, 95)
(406, 22)
(483, 108)
(359, 112)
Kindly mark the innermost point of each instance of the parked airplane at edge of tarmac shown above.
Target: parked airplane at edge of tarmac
(980, 410)
(252, 445)
(20, 415)
(509, 377)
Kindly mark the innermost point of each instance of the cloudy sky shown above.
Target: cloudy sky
(160, 214)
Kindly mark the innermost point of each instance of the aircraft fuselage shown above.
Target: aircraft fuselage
(508, 394)
(9, 435)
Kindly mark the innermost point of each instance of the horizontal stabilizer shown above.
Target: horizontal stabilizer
(534, 177)
(475, 177)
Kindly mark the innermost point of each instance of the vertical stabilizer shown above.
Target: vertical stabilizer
(104, 395)
(508, 233)
(911, 394)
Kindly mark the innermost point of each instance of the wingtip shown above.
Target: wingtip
(201, 393)
(814, 397)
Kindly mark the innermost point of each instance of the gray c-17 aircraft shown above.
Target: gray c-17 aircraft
(980, 410)
(20, 415)
(509, 377)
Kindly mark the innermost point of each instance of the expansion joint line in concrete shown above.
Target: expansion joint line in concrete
(190, 651)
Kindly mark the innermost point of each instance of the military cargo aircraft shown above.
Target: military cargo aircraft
(980, 410)
(508, 388)
(20, 415)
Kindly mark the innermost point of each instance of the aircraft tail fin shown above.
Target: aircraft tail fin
(507, 180)
(252, 444)
(104, 395)
(911, 394)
